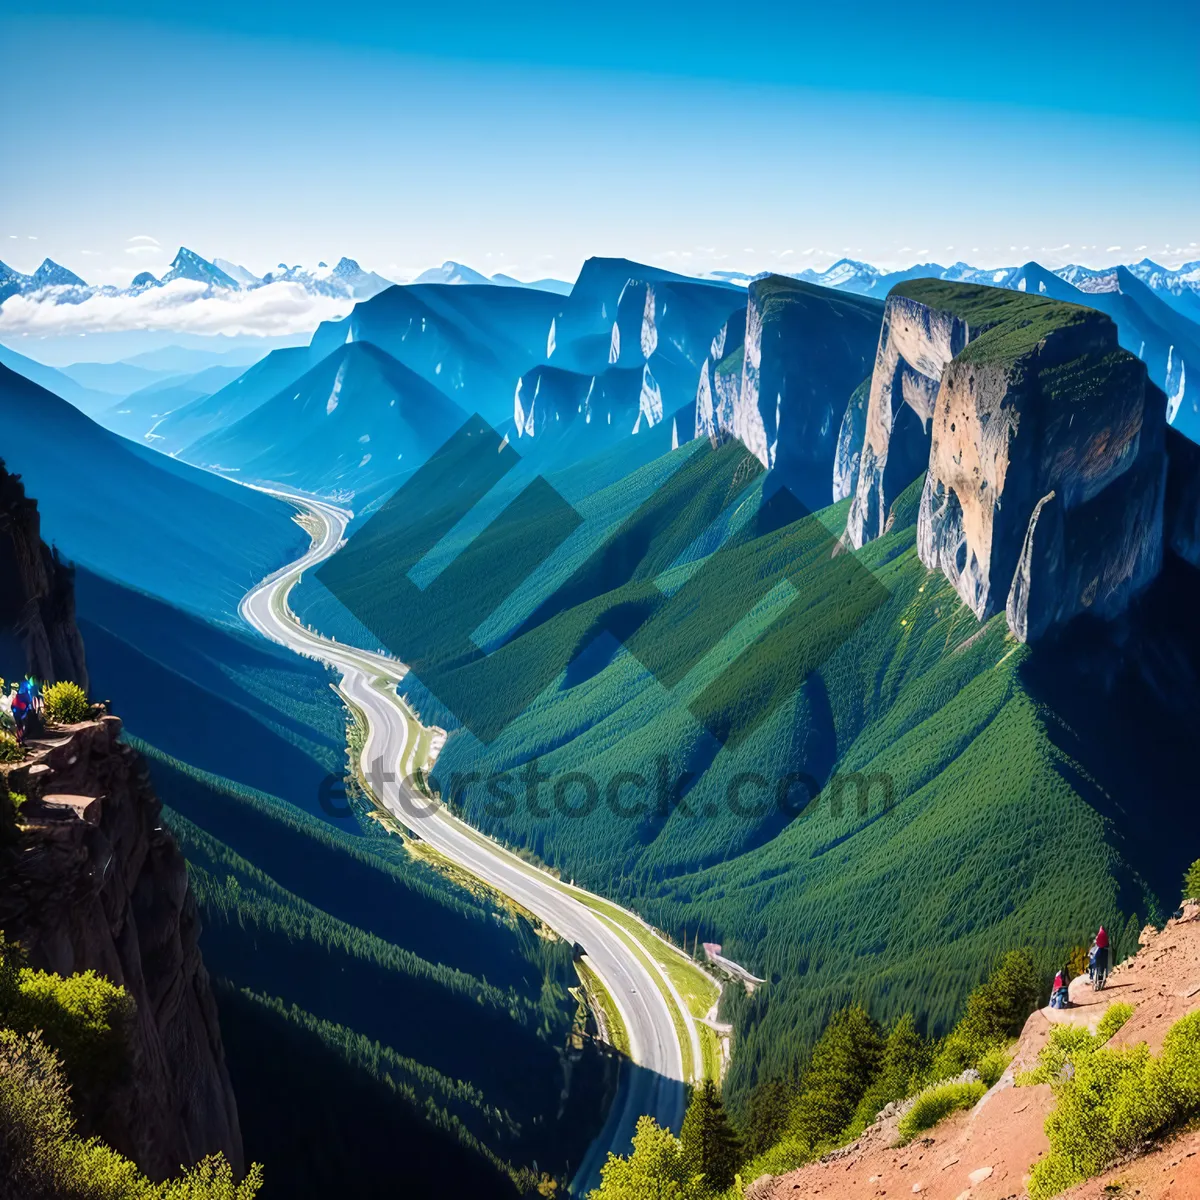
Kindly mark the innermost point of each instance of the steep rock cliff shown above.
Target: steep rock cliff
(97, 883)
(916, 342)
(1046, 469)
(804, 350)
(37, 605)
(850, 442)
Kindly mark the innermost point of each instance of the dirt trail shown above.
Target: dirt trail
(987, 1153)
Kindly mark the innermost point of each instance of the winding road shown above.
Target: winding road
(655, 1083)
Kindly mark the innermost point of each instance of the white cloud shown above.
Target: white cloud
(143, 248)
(1110, 249)
(181, 306)
(142, 237)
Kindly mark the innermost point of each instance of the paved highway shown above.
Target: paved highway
(369, 683)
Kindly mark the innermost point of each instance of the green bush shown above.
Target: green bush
(42, 1156)
(1113, 1019)
(993, 1065)
(84, 1018)
(66, 703)
(1115, 1101)
(937, 1102)
(1191, 882)
(1069, 1044)
(10, 749)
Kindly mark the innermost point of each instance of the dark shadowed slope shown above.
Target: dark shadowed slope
(157, 525)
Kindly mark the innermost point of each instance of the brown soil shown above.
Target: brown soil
(987, 1153)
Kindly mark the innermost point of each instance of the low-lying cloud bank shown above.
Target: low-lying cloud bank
(182, 306)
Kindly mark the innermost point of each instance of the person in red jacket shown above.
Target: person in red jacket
(1101, 961)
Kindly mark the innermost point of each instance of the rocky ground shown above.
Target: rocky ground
(987, 1153)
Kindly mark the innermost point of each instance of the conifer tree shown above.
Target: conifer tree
(708, 1141)
(845, 1062)
(768, 1110)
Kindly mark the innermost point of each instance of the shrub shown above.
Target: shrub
(83, 1017)
(1113, 1019)
(1191, 882)
(66, 703)
(10, 809)
(1069, 1044)
(993, 1065)
(937, 1102)
(41, 1155)
(10, 749)
(1116, 1100)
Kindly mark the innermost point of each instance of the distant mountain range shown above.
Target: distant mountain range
(55, 283)
(1179, 288)
(452, 272)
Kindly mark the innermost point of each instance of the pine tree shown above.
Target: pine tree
(906, 1057)
(708, 1141)
(768, 1110)
(845, 1062)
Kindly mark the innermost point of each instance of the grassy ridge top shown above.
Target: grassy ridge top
(1013, 323)
(774, 290)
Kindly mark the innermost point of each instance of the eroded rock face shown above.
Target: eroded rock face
(916, 343)
(37, 599)
(1044, 493)
(98, 883)
(803, 351)
(720, 386)
(850, 442)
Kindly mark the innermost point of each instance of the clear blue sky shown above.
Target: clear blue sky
(528, 136)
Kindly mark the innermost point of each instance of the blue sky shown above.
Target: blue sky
(526, 137)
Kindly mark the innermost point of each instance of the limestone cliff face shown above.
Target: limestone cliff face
(803, 352)
(916, 343)
(97, 882)
(850, 442)
(1046, 476)
(720, 386)
(37, 602)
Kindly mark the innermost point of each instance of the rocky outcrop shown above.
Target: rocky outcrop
(98, 883)
(916, 343)
(720, 386)
(37, 604)
(803, 352)
(850, 441)
(1044, 493)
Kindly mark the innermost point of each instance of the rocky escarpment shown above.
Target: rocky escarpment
(850, 441)
(1045, 458)
(37, 604)
(803, 352)
(1044, 492)
(97, 883)
(916, 342)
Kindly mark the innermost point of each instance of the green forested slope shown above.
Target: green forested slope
(991, 819)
